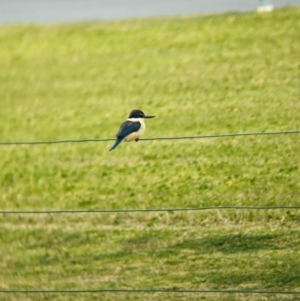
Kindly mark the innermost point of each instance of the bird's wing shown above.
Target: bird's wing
(127, 128)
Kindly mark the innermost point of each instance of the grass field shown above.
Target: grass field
(199, 75)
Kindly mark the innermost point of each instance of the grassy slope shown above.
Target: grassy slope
(199, 75)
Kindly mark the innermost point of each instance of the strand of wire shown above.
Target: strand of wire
(149, 291)
(151, 139)
(148, 210)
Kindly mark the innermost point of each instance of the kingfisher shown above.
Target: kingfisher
(132, 129)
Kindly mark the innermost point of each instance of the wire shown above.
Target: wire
(147, 210)
(149, 139)
(55, 142)
(226, 135)
(148, 291)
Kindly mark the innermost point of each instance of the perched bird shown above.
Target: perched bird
(132, 129)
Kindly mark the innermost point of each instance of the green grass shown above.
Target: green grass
(199, 75)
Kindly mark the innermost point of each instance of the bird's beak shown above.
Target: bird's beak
(149, 116)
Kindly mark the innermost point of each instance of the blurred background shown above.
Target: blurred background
(15, 11)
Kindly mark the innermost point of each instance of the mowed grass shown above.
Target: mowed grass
(199, 75)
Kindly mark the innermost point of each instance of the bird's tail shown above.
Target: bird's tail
(118, 141)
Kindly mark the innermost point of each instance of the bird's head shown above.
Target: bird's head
(139, 114)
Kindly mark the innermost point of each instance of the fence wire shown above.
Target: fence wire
(148, 210)
(150, 139)
(149, 291)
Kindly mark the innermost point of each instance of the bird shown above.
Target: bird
(132, 129)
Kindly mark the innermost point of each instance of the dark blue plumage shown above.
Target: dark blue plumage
(118, 141)
(126, 128)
